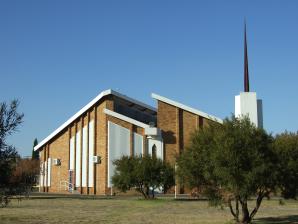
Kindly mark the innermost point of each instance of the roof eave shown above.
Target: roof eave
(186, 108)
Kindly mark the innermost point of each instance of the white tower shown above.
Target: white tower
(247, 104)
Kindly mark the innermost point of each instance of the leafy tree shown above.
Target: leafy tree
(231, 162)
(24, 176)
(144, 174)
(10, 119)
(286, 146)
(35, 154)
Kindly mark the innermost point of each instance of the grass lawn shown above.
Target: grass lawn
(132, 210)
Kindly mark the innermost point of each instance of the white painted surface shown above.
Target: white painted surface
(84, 157)
(41, 176)
(78, 159)
(118, 146)
(159, 147)
(72, 153)
(125, 118)
(152, 131)
(46, 173)
(184, 107)
(237, 106)
(137, 144)
(49, 171)
(246, 104)
(85, 108)
(91, 153)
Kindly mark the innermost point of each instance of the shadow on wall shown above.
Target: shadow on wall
(278, 220)
(169, 136)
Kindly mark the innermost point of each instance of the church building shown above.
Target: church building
(78, 156)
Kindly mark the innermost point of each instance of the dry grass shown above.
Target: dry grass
(132, 210)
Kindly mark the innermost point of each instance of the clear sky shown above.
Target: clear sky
(55, 56)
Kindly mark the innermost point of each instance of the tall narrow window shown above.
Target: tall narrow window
(118, 146)
(42, 173)
(72, 153)
(137, 144)
(154, 151)
(84, 157)
(49, 171)
(91, 153)
(78, 159)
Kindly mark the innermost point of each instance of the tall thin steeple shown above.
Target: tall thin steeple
(246, 75)
(247, 103)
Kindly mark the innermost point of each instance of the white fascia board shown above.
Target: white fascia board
(85, 108)
(125, 118)
(186, 108)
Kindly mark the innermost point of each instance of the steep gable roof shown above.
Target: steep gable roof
(87, 107)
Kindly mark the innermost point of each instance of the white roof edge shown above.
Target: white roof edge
(125, 118)
(184, 107)
(85, 108)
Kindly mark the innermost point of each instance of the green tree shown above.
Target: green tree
(231, 162)
(10, 119)
(35, 154)
(286, 146)
(145, 174)
(24, 176)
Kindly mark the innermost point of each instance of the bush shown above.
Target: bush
(145, 174)
(286, 146)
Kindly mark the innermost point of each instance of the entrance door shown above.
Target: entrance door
(155, 148)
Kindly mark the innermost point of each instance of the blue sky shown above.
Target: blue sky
(55, 56)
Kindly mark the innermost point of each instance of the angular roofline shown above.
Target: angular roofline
(125, 118)
(87, 107)
(184, 107)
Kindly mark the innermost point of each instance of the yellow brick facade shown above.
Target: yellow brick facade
(176, 125)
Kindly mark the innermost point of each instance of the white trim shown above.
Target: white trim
(91, 153)
(78, 159)
(125, 118)
(108, 154)
(72, 153)
(184, 107)
(49, 172)
(85, 108)
(84, 156)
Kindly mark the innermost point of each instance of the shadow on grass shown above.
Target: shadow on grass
(278, 220)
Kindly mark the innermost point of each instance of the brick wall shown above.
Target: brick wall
(167, 121)
(58, 149)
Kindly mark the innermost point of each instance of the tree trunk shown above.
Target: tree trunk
(147, 191)
(236, 212)
(245, 213)
(258, 204)
(237, 209)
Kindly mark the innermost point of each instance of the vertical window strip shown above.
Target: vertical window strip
(78, 159)
(72, 153)
(138, 144)
(91, 153)
(49, 171)
(84, 158)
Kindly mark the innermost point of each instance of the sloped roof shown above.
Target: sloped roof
(87, 107)
(186, 108)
